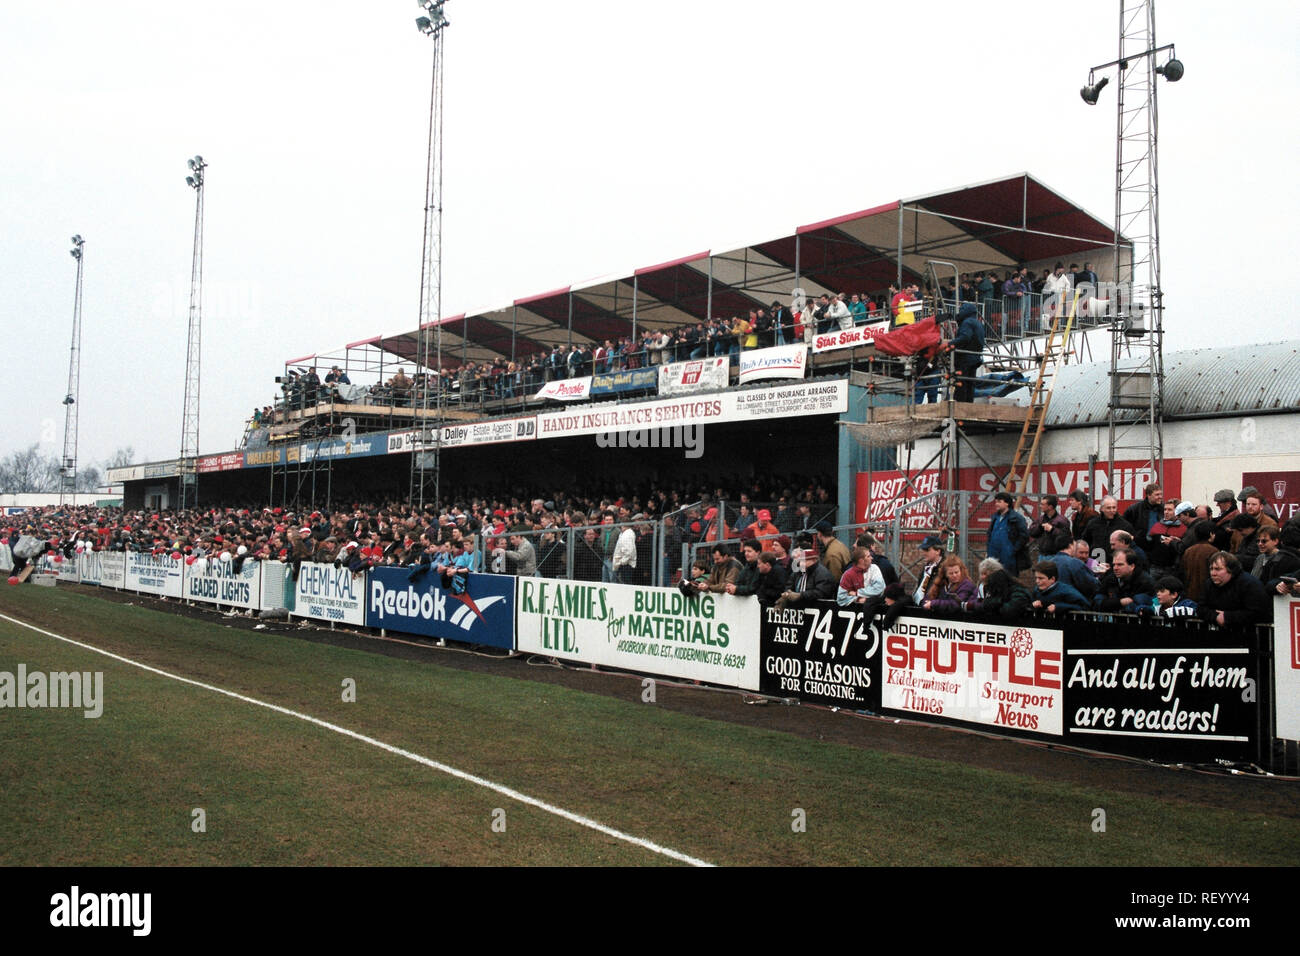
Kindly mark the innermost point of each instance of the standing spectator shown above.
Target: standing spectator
(1143, 515)
(878, 557)
(1013, 298)
(968, 351)
(522, 553)
(984, 289)
(624, 556)
(1086, 281)
(1227, 503)
(764, 529)
(1051, 530)
(1169, 600)
(834, 554)
(1075, 573)
(764, 333)
(1008, 535)
(1081, 512)
(839, 314)
(1099, 529)
(1055, 290)
(747, 580)
(1194, 562)
(857, 309)
(1253, 504)
(725, 570)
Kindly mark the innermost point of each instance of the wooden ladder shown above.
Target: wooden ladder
(1017, 479)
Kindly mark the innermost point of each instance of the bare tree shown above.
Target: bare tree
(121, 458)
(88, 479)
(29, 472)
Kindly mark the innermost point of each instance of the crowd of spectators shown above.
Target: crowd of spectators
(1158, 558)
(1014, 302)
(502, 378)
(1164, 558)
(510, 532)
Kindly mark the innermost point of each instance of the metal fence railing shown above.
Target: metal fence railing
(580, 553)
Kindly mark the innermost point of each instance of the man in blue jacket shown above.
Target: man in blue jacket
(1008, 534)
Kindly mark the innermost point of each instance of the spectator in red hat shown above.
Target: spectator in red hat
(764, 530)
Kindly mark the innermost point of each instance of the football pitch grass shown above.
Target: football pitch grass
(275, 788)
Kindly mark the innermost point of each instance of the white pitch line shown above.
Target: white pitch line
(417, 758)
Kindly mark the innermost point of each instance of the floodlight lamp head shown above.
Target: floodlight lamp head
(424, 24)
(1093, 90)
(191, 182)
(77, 240)
(1171, 71)
(199, 160)
(191, 164)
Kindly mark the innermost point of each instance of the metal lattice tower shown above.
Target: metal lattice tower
(190, 416)
(68, 464)
(425, 456)
(1135, 409)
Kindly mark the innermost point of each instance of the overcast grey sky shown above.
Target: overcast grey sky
(582, 138)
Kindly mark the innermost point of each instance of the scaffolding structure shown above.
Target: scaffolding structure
(938, 504)
(991, 227)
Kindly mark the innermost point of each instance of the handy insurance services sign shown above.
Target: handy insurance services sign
(710, 637)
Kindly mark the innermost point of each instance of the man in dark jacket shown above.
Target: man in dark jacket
(1227, 503)
(1075, 573)
(1083, 513)
(771, 579)
(809, 580)
(1050, 530)
(1274, 561)
(1124, 588)
(1145, 513)
(1100, 528)
(968, 351)
(1234, 598)
(747, 581)
(1051, 594)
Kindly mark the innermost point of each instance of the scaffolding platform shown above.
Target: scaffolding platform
(967, 412)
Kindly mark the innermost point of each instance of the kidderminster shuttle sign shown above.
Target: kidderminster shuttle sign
(806, 398)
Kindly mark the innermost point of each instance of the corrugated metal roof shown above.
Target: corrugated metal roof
(1256, 378)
